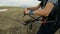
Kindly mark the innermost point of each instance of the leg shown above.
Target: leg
(48, 28)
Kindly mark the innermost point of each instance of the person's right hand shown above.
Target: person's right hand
(26, 11)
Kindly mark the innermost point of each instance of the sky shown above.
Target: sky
(19, 3)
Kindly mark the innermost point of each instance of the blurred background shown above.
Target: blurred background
(19, 3)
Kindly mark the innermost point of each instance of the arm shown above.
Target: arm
(46, 11)
(34, 8)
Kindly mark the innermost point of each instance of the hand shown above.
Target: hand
(26, 11)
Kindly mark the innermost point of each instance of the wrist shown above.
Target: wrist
(31, 12)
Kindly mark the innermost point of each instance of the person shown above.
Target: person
(48, 10)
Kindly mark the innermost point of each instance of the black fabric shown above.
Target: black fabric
(53, 14)
(48, 28)
(39, 0)
(43, 3)
(58, 18)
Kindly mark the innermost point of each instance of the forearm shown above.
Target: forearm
(33, 8)
(42, 12)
